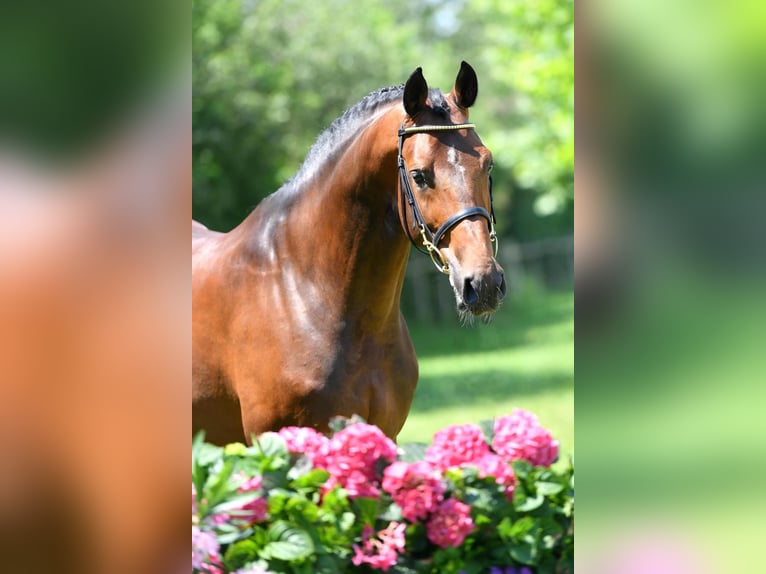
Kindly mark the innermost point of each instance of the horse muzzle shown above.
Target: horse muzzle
(479, 292)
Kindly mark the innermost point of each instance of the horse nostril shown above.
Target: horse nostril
(503, 286)
(470, 296)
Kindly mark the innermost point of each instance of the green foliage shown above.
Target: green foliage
(269, 76)
(308, 528)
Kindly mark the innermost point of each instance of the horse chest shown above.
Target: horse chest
(373, 376)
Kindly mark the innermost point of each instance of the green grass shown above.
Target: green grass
(523, 359)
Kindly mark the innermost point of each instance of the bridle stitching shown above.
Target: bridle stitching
(431, 240)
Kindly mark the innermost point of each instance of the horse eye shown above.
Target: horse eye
(419, 177)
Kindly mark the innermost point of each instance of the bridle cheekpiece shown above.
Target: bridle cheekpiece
(431, 240)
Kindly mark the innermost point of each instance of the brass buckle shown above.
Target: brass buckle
(433, 251)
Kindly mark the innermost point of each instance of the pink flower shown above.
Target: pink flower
(357, 484)
(214, 567)
(249, 484)
(382, 550)
(204, 549)
(308, 441)
(353, 459)
(255, 509)
(250, 512)
(417, 488)
(494, 466)
(456, 445)
(520, 436)
(352, 456)
(450, 524)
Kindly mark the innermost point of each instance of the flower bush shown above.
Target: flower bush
(479, 499)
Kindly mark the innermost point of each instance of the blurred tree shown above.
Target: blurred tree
(269, 75)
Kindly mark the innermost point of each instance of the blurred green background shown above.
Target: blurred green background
(671, 276)
(270, 75)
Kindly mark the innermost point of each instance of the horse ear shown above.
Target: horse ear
(415, 93)
(466, 86)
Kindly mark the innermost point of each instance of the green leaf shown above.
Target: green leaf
(521, 468)
(312, 479)
(503, 528)
(335, 501)
(299, 507)
(391, 513)
(488, 428)
(239, 554)
(301, 465)
(472, 567)
(404, 569)
(479, 499)
(524, 553)
(219, 485)
(288, 551)
(228, 534)
(530, 503)
(278, 497)
(367, 510)
(231, 504)
(412, 452)
(521, 527)
(346, 521)
(209, 454)
(327, 564)
(271, 444)
(548, 488)
(289, 543)
(235, 449)
(197, 442)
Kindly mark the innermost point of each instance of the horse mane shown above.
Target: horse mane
(349, 123)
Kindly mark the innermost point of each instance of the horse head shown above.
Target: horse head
(445, 190)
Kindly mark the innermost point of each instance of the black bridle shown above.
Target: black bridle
(431, 240)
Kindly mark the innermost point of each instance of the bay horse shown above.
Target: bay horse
(296, 314)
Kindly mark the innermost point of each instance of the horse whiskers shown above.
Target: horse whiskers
(468, 319)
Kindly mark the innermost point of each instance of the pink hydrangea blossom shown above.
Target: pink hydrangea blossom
(353, 459)
(308, 441)
(493, 465)
(456, 445)
(356, 483)
(205, 550)
(417, 488)
(380, 550)
(520, 436)
(450, 523)
(352, 456)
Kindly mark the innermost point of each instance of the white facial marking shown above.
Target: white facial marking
(454, 161)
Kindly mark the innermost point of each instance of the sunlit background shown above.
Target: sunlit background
(670, 286)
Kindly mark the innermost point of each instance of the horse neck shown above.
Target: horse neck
(343, 227)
